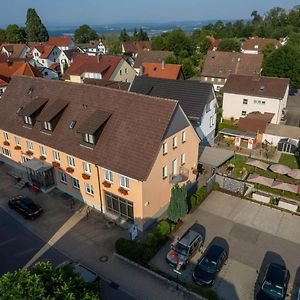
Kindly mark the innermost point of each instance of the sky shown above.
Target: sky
(99, 12)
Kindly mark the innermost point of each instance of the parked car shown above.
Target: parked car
(25, 206)
(209, 265)
(185, 248)
(293, 91)
(275, 283)
(84, 272)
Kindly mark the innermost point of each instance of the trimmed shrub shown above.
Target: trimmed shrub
(201, 193)
(193, 201)
(274, 201)
(163, 228)
(152, 239)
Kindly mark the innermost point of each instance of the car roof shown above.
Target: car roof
(189, 237)
(213, 252)
(276, 273)
(25, 200)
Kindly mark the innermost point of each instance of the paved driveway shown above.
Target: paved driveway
(255, 234)
(293, 110)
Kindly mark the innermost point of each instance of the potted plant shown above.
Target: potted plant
(55, 164)
(123, 191)
(106, 184)
(29, 153)
(85, 176)
(70, 170)
(17, 147)
(6, 143)
(42, 157)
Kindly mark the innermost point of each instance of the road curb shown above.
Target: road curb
(170, 282)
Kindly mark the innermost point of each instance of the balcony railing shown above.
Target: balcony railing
(183, 175)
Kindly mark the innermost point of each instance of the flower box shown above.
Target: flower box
(70, 170)
(122, 191)
(85, 176)
(42, 157)
(55, 164)
(29, 153)
(17, 148)
(106, 184)
(6, 143)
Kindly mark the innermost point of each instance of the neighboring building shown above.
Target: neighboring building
(14, 51)
(44, 54)
(119, 85)
(214, 43)
(49, 73)
(255, 45)
(99, 67)
(66, 58)
(150, 57)
(11, 68)
(162, 70)
(197, 100)
(62, 43)
(133, 48)
(118, 152)
(246, 94)
(218, 65)
(93, 48)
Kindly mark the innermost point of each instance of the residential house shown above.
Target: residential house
(62, 43)
(66, 58)
(162, 70)
(99, 67)
(197, 99)
(14, 51)
(119, 85)
(214, 43)
(133, 48)
(245, 94)
(48, 73)
(44, 54)
(83, 140)
(93, 48)
(218, 65)
(10, 68)
(255, 45)
(151, 56)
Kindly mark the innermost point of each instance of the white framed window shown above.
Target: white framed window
(6, 136)
(17, 141)
(47, 125)
(218, 88)
(124, 182)
(182, 159)
(75, 183)
(263, 102)
(255, 101)
(244, 113)
(205, 78)
(120, 72)
(108, 175)
(5, 152)
(165, 148)
(27, 120)
(62, 176)
(56, 156)
(245, 101)
(212, 79)
(219, 79)
(29, 145)
(211, 121)
(174, 142)
(183, 137)
(164, 172)
(43, 151)
(89, 189)
(87, 167)
(89, 138)
(126, 71)
(71, 161)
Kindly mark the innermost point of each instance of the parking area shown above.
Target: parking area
(293, 110)
(256, 235)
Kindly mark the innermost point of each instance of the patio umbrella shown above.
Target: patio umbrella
(280, 169)
(295, 173)
(285, 186)
(255, 178)
(257, 163)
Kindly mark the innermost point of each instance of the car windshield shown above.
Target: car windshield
(181, 249)
(208, 265)
(272, 289)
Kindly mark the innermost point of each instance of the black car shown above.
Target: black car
(275, 283)
(209, 265)
(25, 206)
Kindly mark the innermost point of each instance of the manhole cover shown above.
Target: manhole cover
(103, 258)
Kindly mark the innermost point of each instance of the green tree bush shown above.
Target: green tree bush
(35, 29)
(229, 45)
(84, 34)
(178, 205)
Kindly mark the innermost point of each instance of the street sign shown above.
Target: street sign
(133, 232)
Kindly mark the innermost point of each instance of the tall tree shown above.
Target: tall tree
(178, 207)
(84, 34)
(2, 35)
(124, 37)
(15, 34)
(112, 43)
(229, 45)
(256, 18)
(35, 29)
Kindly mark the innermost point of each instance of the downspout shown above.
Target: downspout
(99, 183)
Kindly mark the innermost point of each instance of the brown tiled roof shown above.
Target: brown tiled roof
(60, 41)
(135, 47)
(52, 110)
(3, 57)
(260, 86)
(16, 49)
(151, 57)
(120, 147)
(85, 63)
(260, 42)
(71, 53)
(168, 71)
(220, 64)
(31, 107)
(119, 85)
(255, 122)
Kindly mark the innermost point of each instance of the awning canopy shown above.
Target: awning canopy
(37, 165)
(280, 169)
(255, 178)
(257, 164)
(285, 186)
(294, 173)
(214, 157)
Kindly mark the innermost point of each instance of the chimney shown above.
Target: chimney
(163, 64)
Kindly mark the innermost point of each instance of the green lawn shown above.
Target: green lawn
(290, 161)
(226, 124)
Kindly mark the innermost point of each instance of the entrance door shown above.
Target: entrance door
(174, 167)
(286, 147)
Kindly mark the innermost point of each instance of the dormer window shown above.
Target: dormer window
(47, 126)
(89, 138)
(28, 120)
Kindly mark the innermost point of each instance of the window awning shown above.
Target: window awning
(37, 165)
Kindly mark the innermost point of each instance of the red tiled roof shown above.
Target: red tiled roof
(44, 49)
(3, 57)
(169, 71)
(257, 43)
(255, 122)
(16, 49)
(85, 63)
(60, 41)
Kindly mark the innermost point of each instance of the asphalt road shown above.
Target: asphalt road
(18, 245)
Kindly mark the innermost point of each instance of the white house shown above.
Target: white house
(63, 43)
(197, 99)
(48, 73)
(66, 58)
(46, 55)
(93, 48)
(14, 51)
(245, 94)
(255, 45)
